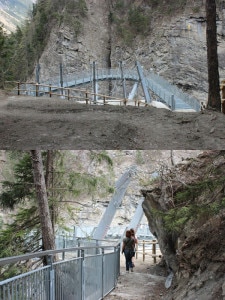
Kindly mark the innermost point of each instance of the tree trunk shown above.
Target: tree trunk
(49, 181)
(214, 99)
(39, 181)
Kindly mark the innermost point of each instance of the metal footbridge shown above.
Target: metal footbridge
(87, 270)
(154, 87)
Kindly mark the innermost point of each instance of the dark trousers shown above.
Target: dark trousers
(128, 256)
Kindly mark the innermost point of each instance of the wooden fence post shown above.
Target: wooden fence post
(86, 97)
(18, 88)
(68, 94)
(154, 251)
(50, 90)
(143, 250)
(223, 106)
(37, 89)
(223, 96)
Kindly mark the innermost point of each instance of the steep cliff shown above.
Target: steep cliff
(13, 13)
(186, 211)
(165, 36)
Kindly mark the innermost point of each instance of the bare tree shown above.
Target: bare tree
(214, 99)
(45, 219)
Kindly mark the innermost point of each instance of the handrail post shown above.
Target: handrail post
(154, 250)
(97, 245)
(50, 90)
(94, 81)
(103, 265)
(64, 246)
(143, 250)
(61, 77)
(119, 251)
(104, 100)
(172, 103)
(78, 251)
(51, 278)
(82, 276)
(115, 266)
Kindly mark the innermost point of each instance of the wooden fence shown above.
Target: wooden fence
(146, 247)
(79, 95)
(222, 88)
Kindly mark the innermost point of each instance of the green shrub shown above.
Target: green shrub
(137, 20)
(119, 5)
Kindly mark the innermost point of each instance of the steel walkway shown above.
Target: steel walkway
(165, 92)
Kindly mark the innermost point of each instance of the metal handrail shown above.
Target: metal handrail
(73, 279)
(40, 254)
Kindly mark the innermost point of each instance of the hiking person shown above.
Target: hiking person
(135, 242)
(127, 249)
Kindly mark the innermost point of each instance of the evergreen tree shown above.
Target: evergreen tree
(23, 233)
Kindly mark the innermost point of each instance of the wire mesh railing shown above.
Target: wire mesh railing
(90, 274)
(165, 91)
(32, 285)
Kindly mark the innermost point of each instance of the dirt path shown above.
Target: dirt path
(145, 283)
(45, 123)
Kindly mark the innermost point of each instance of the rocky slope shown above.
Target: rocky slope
(89, 208)
(14, 12)
(173, 43)
(185, 209)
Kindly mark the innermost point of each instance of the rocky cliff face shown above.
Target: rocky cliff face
(147, 163)
(14, 12)
(186, 211)
(174, 44)
(88, 208)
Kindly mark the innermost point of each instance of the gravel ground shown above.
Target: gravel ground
(145, 283)
(31, 123)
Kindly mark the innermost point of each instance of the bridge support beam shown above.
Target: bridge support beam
(123, 80)
(120, 190)
(94, 81)
(134, 223)
(143, 83)
(38, 73)
(133, 91)
(61, 77)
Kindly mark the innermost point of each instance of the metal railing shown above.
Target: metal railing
(167, 93)
(88, 273)
(170, 94)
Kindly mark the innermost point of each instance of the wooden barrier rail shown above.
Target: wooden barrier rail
(141, 248)
(23, 88)
(222, 88)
